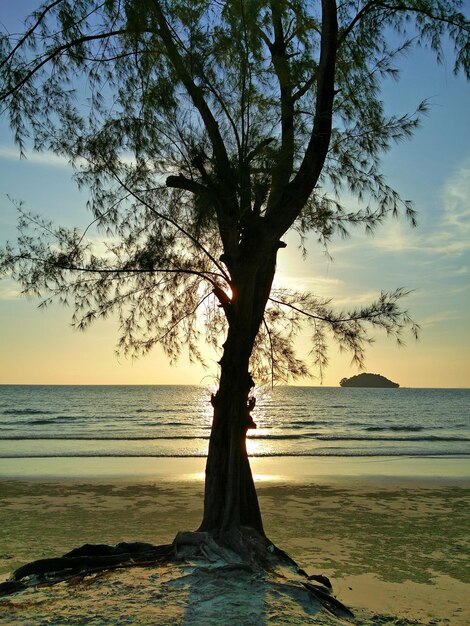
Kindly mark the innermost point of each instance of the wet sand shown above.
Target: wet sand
(393, 544)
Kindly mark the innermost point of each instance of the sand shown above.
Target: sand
(394, 545)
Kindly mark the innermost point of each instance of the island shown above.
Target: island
(368, 380)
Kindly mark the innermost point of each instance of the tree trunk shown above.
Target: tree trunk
(230, 499)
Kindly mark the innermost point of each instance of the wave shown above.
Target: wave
(195, 437)
(86, 420)
(302, 423)
(398, 428)
(160, 410)
(186, 424)
(316, 453)
(72, 437)
(26, 412)
(385, 438)
(54, 420)
(286, 436)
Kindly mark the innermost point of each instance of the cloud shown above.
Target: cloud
(397, 236)
(321, 286)
(344, 295)
(437, 318)
(48, 159)
(450, 234)
(456, 200)
(462, 271)
(9, 290)
(456, 203)
(356, 299)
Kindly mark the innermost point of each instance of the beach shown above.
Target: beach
(391, 534)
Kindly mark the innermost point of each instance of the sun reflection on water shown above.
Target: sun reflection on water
(255, 447)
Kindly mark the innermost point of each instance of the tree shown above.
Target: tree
(204, 131)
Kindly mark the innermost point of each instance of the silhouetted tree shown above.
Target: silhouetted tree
(204, 131)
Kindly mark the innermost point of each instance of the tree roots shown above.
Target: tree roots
(239, 549)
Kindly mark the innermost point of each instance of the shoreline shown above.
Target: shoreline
(429, 469)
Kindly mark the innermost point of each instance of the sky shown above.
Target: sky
(39, 346)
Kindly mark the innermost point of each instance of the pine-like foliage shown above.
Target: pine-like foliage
(191, 122)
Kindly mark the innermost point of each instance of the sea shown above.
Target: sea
(175, 421)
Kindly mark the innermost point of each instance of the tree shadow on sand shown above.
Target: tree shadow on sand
(208, 582)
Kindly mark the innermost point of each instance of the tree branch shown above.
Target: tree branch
(182, 318)
(303, 90)
(361, 315)
(268, 332)
(174, 223)
(285, 159)
(186, 184)
(197, 97)
(116, 270)
(28, 33)
(377, 4)
(301, 311)
(422, 10)
(283, 213)
(57, 51)
(369, 6)
(227, 206)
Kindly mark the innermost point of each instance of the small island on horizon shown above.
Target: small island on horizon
(368, 380)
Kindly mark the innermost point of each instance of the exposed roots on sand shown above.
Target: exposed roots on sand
(241, 549)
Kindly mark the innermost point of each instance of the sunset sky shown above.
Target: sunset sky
(433, 170)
